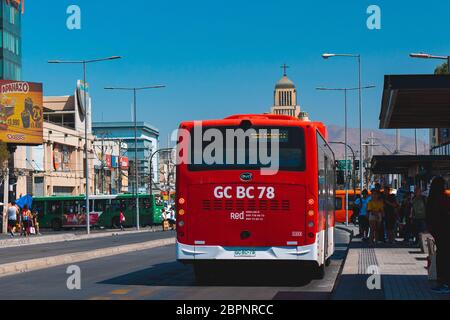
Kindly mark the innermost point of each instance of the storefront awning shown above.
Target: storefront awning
(412, 165)
(415, 101)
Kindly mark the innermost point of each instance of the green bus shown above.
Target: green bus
(63, 212)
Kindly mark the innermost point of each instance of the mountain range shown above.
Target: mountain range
(384, 140)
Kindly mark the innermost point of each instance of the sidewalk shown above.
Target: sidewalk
(54, 237)
(403, 273)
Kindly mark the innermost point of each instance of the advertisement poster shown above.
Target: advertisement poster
(21, 112)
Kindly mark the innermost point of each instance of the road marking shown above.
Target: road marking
(120, 291)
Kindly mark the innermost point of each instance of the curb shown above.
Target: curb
(341, 269)
(43, 263)
(19, 242)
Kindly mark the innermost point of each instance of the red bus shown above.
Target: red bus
(230, 212)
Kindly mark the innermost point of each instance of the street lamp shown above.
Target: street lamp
(84, 63)
(135, 90)
(430, 56)
(151, 163)
(346, 137)
(358, 57)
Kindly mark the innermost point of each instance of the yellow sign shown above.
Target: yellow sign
(21, 112)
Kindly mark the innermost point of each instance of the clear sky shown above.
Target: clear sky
(221, 57)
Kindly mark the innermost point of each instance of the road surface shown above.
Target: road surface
(155, 274)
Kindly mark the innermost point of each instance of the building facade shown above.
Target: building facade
(58, 166)
(111, 166)
(10, 40)
(440, 142)
(147, 143)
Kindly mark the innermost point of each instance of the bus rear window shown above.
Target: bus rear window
(232, 148)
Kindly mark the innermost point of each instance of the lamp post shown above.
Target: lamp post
(84, 63)
(430, 56)
(151, 163)
(136, 179)
(345, 90)
(358, 57)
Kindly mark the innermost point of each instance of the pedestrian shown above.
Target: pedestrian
(26, 220)
(375, 209)
(172, 218)
(406, 218)
(390, 214)
(361, 205)
(438, 222)
(35, 215)
(12, 218)
(122, 220)
(419, 205)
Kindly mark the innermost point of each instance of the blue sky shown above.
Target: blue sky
(221, 57)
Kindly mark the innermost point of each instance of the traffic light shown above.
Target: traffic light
(357, 165)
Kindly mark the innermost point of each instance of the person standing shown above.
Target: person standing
(26, 220)
(375, 209)
(122, 220)
(361, 204)
(405, 218)
(390, 214)
(12, 218)
(438, 223)
(35, 215)
(419, 205)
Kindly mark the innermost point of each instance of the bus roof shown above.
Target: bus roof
(261, 119)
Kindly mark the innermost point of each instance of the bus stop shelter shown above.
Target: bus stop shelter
(414, 102)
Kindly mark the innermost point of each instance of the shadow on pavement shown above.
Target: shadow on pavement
(175, 274)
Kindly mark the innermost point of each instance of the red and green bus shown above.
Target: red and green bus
(232, 213)
(63, 212)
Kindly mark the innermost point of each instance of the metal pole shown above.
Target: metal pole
(361, 164)
(448, 65)
(346, 161)
(88, 217)
(136, 163)
(5, 200)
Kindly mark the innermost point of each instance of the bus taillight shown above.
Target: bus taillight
(181, 201)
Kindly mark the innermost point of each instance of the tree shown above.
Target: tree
(4, 155)
(442, 69)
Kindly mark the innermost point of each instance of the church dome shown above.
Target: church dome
(285, 83)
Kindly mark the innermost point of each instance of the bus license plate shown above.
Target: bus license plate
(245, 253)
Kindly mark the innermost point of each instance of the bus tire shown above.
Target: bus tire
(328, 262)
(115, 222)
(319, 272)
(56, 225)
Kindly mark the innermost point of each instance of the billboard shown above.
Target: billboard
(21, 112)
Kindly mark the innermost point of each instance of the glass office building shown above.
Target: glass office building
(147, 143)
(10, 40)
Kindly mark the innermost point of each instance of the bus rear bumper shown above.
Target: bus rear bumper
(188, 253)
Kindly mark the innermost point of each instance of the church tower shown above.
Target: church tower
(285, 97)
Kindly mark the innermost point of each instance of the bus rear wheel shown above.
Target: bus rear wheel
(319, 272)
